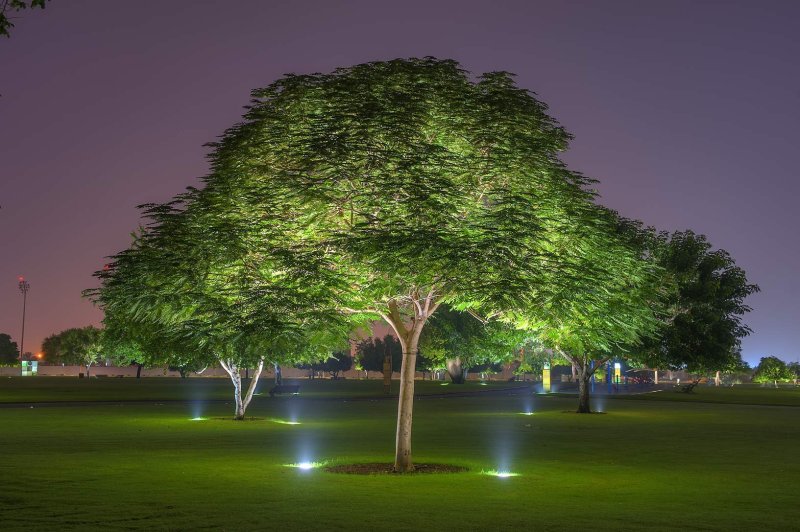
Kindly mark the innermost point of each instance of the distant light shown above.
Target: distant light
(617, 365)
(484, 384)
(526, 413)
(445, 384)
(199, 418)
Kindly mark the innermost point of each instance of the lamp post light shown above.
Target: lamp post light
(24, 286)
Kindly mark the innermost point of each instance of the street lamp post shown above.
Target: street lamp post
(24, 286)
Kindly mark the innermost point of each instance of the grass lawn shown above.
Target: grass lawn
(66, 389)
(655, 464)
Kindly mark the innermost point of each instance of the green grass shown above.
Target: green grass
(744, 394)
(656, 464)
(66, 389)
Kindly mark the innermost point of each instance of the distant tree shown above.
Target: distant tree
(336, 363)
(80, 346)
(371, 352)
(704, 304)
(460, 341)
(123, 351)
(606, 310)
(772, 369)
(9, 352)
(7, 7)
(794, 370)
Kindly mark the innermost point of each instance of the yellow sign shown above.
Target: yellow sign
(546, 378)
(617, 371)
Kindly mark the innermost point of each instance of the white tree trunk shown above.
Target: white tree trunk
(240, 403)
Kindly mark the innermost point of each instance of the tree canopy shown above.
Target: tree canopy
(386, 190)
(9, 352)
(81, 346)
(15, 6)
(705, 304)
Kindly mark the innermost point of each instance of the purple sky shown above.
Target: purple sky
(688, 113)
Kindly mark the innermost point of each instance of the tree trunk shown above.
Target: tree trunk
(387, 374)
(655, 373)
(405, 408)
(278, 375)
(138, 371)
(408, 334)
(716, 379)
(583, 392)
(240, 404)
(456, 370)
(574, 374)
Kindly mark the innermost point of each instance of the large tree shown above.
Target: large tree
(409, 182)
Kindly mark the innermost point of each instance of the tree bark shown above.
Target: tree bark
(387, 374)
(241, 403)
(456, 370)
(583, 391)
(585, 368)
(408, 334)
(138, 371)
(405, 408)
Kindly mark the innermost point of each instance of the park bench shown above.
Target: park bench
(293, 389)
(689, 388)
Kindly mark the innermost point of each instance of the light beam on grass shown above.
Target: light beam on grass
(500, 474)
(306, 466)
(284, 421)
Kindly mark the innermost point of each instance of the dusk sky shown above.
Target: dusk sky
(687, 112)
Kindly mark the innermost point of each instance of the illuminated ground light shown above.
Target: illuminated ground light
(484, 384)
(306, 466)
(501, 474)
(284, 422)
(199, 419)
(445, 384)
(526, 413)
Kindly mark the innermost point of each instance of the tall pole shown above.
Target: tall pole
(24, 286)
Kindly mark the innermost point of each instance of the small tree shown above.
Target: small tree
(371, 352)
(794, 370)
(460, 341)
(9, 352)
(83, 346)
(336, 363)
(772, 369)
